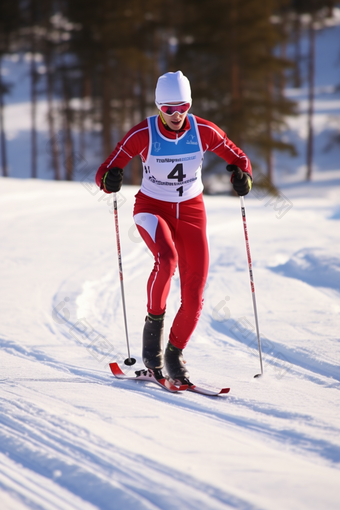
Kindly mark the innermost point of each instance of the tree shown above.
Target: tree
(317, 10)
(103, 59)
(9, 15)
(4, 89)
(236, 74)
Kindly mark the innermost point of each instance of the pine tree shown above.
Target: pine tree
(318, 10)
(9, 19)
(230, 57)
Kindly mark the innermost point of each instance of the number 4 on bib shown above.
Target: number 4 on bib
(177, 173)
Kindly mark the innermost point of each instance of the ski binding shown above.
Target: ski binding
(147, 375)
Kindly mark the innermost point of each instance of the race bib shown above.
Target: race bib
(173, 169)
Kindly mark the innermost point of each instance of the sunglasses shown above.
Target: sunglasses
(171, 109)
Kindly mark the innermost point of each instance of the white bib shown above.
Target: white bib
(172, 170)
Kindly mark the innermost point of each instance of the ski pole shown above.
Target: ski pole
(243, 211)
(129, 361)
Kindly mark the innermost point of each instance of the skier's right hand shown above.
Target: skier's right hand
(112, 180)
(241, 181)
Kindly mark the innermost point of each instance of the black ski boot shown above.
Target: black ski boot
(153, 342)
(174, 364)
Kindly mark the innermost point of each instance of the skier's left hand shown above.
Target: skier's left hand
(112, 180)
(241, 181)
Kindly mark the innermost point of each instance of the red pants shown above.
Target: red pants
(176, 235)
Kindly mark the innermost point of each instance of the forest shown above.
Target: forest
(97, 63)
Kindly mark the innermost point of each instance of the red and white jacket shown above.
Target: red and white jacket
(137, 142)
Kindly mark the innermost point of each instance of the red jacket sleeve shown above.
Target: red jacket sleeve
(215, 140)
(134, 143)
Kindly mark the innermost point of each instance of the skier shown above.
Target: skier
(169, 211)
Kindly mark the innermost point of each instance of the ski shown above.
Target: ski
(204, 391)
(148, 376)
(199, 389)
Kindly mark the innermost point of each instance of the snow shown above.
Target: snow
(314, 266)
(73, 437)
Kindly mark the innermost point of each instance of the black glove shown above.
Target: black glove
(112, 180)
(241, 181)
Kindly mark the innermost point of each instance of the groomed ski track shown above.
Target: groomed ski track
(73, 437)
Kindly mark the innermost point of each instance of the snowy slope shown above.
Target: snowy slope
(73, 437)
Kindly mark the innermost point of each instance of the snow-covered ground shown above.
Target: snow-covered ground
(73, 437)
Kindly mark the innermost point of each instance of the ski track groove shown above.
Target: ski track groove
(107, 319)
(279, 434)
(107, 292)
(195, 403)
(48, 445)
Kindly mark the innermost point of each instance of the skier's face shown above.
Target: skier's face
(176, 120)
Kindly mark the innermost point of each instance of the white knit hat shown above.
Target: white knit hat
(173, 88)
